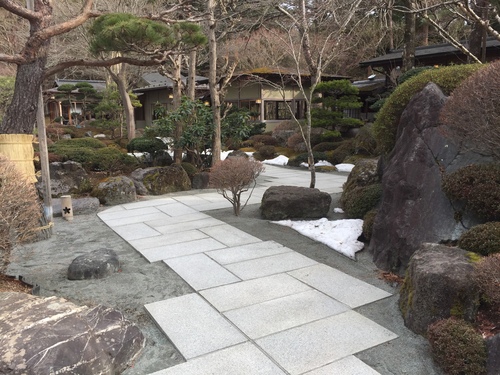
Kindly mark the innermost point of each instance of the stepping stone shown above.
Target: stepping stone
(282, 313)
(319, 343)
(180, 249)
(247, 252)
(193, 326)
(229, 235)
(201, 272)
(345, 366)
(251, 269)
(339, 285)
(243, 359)
(251, 292)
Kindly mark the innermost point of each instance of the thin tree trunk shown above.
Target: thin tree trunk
(177, 93)
(408, 58)
(212, 78)
(192, 75)
(119, 79)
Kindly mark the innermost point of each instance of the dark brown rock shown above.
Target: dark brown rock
(97, 264)
(414, 209)
(161, 180)
(115, 190)
(292, 202)
(201, 180)
(51, 335)
(438, 285)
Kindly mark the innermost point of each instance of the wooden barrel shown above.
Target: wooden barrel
(18, 148)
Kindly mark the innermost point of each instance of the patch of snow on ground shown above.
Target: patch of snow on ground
(279, 160)
(338, 210)
(340, 235)
(321, 163)
(344, 167)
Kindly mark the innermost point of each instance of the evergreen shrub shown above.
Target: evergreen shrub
(358, 201)
(482, 239)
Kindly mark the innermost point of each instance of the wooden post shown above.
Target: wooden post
(44, 160)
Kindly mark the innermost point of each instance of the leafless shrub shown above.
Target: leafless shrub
(233, 176)
(487, 274)
(20, 211)
(472, 113)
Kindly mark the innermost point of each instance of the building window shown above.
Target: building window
(280, 110)
(251, 105)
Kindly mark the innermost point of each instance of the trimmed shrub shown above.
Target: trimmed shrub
(368, 220)
(190, 169)
(477, 186)
(111, 159)
(342, 152)
(457, 347)
(487, 275)
(144, 144)
(358, 201)
(303, 158)
(387, 121)
(364, 142)
(331, 136)
(412, 73)
(326, 146)
(78, 142)
(483, 239)
(267, 152)
(264, 139)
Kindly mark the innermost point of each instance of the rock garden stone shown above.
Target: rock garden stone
(115, 190)
(66, 178)
(161, 180)
(97, 264)
(438, 285)
(414, 209)
(201, 180)
(292, 202)
(81, 206)
(52, 335)
(493, 348)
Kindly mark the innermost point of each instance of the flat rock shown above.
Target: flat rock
(160, 180)
(52, 335)
(97, 264)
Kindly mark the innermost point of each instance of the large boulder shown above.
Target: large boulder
(161, 180)
(292, 202)
(115, 190)
(493, 347)
(52, 335)
(67, 178)
(97, 264)
(414, 208)
(438, 285)
(201, 180)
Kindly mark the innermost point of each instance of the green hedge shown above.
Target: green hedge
(482, 239)
(386, 123)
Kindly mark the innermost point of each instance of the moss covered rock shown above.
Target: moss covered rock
(115, 190)
(161, 180)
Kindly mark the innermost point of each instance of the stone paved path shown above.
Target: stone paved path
(258, 307)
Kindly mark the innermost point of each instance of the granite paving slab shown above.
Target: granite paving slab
(319, 343)
(148, 203)
(229, 235)
(125, 219)
(201, 272)
(180, 249)
(188, 225)
(118, 214)
(164, 239)
(176, 209)
(135, 231)
(251, 269)
(337, 284)
(242, 359)
(194, 326)
(250, 292)
(282, 313)
(177, 219)
(247, 252)
(346, 366)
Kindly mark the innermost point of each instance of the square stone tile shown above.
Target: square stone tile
(191, 200)
(180, 249)
(188, 225)
(283, 313)
(169, 220)
(346, 366)
(176, 209)
(167, 239)
(125, 219)
(148, 203)
(339, 285)
(242, 359)
(110, 215)
(251, 269)
(251, 292)
(201, 272)
(247, 252)
(135, 231)
(319, 343)
(229, 235)
(193, 326)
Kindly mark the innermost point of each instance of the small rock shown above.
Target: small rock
(201, 180)
(95, 265)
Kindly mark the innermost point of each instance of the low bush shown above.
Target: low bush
(190, 169)
(483, 239)
(264, 139)
(326, 146)
(77, 142)
(303, 158)
(284, 130)
(368, 221)
(267, 152)
(477, 186)
(457, 347)
(331, 136)
(296, 142)
(358, 201)
(145, 144)
(387, 121)
(342, 152)
(487, 275)
(364, 142)
(111, 159)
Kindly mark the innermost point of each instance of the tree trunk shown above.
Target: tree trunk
(19, 117)
(192, 75)
(177, 93)
(408, 58)
(128, 109)
(212, 81)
